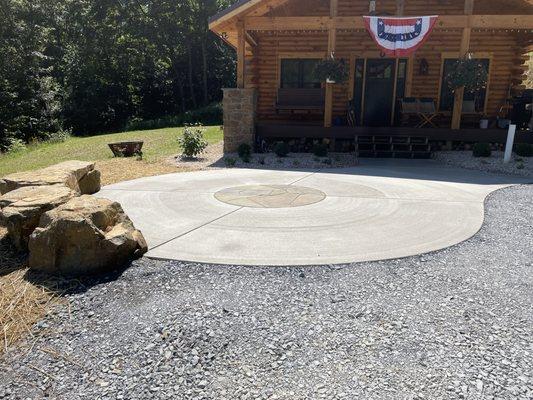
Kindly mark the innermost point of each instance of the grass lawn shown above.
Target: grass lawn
(23, 303)
(159, 145)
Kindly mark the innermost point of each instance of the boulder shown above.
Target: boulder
(90, 183)
(84, 236)
(68, 173)
(21, 209)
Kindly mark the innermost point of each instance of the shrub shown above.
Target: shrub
(16, 145)
(482, 150)
(524, 149)
(60, 136)
(320, 150)
(230, 162)
(245, 152)
(192, 141)
(281, 149)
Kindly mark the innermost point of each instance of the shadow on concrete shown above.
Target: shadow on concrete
(428, 170)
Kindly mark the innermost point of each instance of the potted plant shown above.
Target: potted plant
(332, 70)
(484, 122)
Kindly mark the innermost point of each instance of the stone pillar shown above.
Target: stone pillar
(240, 107)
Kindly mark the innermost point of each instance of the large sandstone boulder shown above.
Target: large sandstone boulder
(86, 235)
(22, 209)
(76, 175)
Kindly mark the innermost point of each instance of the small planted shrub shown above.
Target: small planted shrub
(281, 149)
(192, 141)
(482, 150)
(245, 152)
(524, 149)
(230, 162)
(320, 150)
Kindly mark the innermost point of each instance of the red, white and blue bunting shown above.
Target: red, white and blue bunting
(400, 36)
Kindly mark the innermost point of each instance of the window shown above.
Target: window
(446, 93)
(299, 74)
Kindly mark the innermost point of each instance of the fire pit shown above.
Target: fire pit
(126, 149)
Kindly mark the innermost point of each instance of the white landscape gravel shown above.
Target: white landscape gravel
(522, 166)
(454, 324)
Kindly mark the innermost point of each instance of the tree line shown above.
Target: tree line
(93, 65)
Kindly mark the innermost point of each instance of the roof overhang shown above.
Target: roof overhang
(231, 12)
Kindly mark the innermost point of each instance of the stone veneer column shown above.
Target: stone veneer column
(240, 107)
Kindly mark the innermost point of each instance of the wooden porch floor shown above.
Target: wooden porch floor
(294, 131)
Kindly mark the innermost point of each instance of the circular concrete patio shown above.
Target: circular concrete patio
(379, 210)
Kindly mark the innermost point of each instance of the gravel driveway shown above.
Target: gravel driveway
(455, 324)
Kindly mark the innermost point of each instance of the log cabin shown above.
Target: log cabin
(279, 43)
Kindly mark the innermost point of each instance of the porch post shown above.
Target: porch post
(465, 45)
(400, 6)
(241, 48)
(332, 42)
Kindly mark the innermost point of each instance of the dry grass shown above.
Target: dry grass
(125, 169)
(22, 303)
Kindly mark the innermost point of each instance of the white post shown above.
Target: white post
(510, 144)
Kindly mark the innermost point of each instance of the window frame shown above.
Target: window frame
(454, 55)
(296, 55)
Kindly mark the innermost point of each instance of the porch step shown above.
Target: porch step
(383, 146)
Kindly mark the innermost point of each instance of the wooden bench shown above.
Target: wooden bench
(300, 100)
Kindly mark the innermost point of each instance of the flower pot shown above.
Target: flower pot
(504, 123)
(484, 123)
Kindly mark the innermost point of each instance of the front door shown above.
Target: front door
(379, 91)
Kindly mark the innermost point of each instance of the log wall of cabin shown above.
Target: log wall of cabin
(263, 67)
(412, 7)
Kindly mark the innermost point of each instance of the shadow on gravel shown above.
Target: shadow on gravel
(62, 285)
(10, 259)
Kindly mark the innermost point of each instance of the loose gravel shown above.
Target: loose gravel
(522, 166)
(454, 324)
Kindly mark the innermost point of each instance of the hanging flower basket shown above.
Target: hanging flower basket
(332, 71)
(468, 73)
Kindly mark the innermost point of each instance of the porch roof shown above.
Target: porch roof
(257, 15)
(235, 8)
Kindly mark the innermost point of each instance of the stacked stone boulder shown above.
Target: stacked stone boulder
(85, 235)
(22, 209)
(67, 232)
(80, 176)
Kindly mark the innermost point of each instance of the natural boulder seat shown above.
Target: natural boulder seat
(80, 176)
(22, 209)
(290, 99)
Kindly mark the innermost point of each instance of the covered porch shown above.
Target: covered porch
(276, 52)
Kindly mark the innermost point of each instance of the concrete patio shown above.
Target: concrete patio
(379, 210)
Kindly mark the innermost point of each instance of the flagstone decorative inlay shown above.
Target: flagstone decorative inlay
(270, 196)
